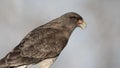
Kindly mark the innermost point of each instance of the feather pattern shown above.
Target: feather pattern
(44, 42)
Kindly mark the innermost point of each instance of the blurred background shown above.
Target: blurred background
(98, 46)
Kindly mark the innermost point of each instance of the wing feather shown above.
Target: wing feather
(40, 44)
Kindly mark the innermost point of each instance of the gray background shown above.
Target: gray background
(98, 46)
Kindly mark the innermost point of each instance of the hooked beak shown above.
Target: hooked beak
(82, 24)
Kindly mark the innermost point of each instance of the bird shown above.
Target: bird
(43, 44)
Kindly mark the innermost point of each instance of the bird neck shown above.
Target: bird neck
(68, 29)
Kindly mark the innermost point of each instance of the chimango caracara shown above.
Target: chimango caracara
(44, 44)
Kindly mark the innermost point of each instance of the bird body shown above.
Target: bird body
(43, 44)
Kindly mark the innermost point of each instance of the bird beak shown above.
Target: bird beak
(82, 24)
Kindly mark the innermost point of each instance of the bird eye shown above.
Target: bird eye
(73, 17)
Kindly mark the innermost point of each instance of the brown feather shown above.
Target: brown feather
(46, 41)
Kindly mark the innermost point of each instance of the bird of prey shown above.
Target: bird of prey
(43, 44)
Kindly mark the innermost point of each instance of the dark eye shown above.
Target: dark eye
(73, 17)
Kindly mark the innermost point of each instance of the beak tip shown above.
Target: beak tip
(83, 25)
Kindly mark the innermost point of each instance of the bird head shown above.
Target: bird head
(75, 19)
